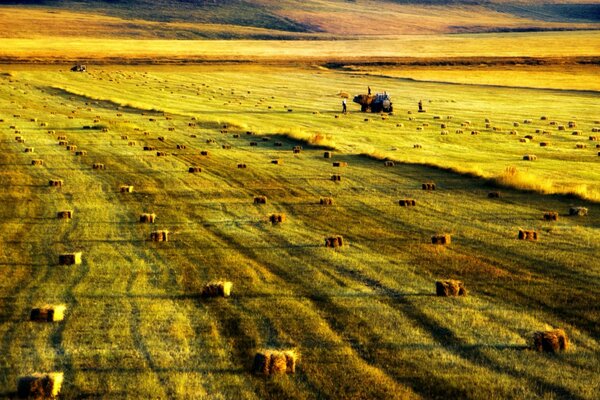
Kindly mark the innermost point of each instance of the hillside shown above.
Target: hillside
(264, 19)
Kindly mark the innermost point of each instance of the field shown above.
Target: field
(364, 318)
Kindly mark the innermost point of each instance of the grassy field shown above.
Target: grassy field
(363, 318)
(558, 47)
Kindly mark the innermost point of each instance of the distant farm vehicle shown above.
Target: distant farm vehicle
(380, 102)
(79, 68)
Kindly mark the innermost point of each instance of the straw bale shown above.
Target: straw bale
(579, 211)
(551, 341)
(159, 236)
(326, 201)
(217, 289)
(64, 214)
(334, 241)
(148, 218)
(37, 162)
(40, 385)
(528, 235)
(450, 287)
(48, 313)
(70, 258)
(441, 239)
(260, 200)
(407, 202)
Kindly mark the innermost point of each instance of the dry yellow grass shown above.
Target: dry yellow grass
(544, 44)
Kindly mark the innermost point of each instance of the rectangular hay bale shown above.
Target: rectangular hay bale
(48, 313)
(441, 239)
(70, 258)
(450, 287)
(40, 385)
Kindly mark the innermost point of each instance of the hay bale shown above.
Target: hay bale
(171, 129)
(55, 182)
(580, 146)
(159, 236)
(572, 124)
(253, 143)
(277, 161)
(37, 162)
(132, 143)
(226, 147)
(576, 133)
(296, 151)
(530, 137)
(399, 125)
(277, 218)
(193, 170)
(428, 186)
(181, 147)
(340, 164)
(389, 163)
(162, 138)
(81, 153)
(161, 154)
(71, 147)
(417, 146)
(594, 138)
(595, 129)
(260, 200)
(334, 241)
(28, 150)
(493, 195)
(551, 341)
(527, 235)
(126, 189)
(70, 258)
(514, 132)
(124, 137)
(147, 218)
(19, 139)
(64, 214)
(98, 166)
(550, 216)
(516, 124)
(327, 154)
(578, 211)
(450, 287)
(407, 202)
(544, 144)
(527, 121)
(529, 157)
(326, 201)
(336, 177)
(444, 132)
(40, 385)
(48, 313)
(561, 127)
(241, 166)
(441, 239)
(474, 132)
(278, 144)
(236, 135)
(217, 289)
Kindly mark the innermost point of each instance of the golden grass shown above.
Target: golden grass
(542, 44)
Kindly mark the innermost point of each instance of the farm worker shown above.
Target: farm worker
(369, 89)
(344, 106)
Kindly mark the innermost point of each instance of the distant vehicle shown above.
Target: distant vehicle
(79, 68)
(380, 102)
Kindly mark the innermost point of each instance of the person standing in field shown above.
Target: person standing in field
(369, 90)
(344, 106)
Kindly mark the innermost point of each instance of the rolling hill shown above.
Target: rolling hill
(265, 19)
